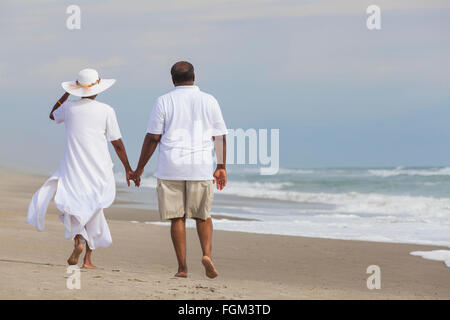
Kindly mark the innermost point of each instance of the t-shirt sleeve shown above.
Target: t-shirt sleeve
(219, 127)
(112, 126)
(60, 114)
(156, 121)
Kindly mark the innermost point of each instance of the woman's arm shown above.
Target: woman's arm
(58, 104)
(122, 154)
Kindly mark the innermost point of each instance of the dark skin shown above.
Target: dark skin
(148, 148)
(57, 105)
(220, 174)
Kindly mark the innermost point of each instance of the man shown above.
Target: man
(186, 123)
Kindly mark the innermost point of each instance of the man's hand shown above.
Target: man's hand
(148, 147)
(220, 178)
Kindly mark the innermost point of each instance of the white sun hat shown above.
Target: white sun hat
(88, 83)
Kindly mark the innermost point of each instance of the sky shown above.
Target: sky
(340, 94)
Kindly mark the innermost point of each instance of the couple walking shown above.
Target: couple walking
(186, 124)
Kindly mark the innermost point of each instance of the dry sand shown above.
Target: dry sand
(140, 264)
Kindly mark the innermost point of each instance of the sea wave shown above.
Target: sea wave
(410, 172)
(295, 171)
(350, 202)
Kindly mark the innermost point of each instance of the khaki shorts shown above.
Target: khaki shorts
(179, 198)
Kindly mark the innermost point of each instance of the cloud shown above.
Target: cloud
(24, 12)
(69, 67)
(231, 35)
(299, 8)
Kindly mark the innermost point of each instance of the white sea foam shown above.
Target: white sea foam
(349, 229)
(439, 255)
(345, 215)
(295, 171)
(351, 202)
(410, 172)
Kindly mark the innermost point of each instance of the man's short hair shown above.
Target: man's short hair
(182, 71)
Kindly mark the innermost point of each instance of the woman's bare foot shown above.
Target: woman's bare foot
(210, 271)
(77, 250)
(87, 263)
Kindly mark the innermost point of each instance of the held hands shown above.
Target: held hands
(220, 178)
(130, 176)
(135, 176)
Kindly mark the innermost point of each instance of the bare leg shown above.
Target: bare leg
(87, 264)
(77, 250)
(178, 233)
(205, 230)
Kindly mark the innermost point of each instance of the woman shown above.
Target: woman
(84, 183)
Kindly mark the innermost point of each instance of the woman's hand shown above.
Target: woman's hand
(130, 176)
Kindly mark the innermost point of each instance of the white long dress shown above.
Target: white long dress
(84, 183)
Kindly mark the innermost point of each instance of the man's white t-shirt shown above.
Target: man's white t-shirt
(187, 119)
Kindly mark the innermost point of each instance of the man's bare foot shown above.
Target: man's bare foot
(182, 273)
(77, 250)
(210, 271)
(88, 266)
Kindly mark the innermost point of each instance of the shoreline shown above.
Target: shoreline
(140, 264)
(141, 214)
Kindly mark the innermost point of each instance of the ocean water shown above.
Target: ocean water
(408, 205)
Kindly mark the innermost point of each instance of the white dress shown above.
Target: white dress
(84, 183)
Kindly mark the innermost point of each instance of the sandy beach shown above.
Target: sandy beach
(140, 264)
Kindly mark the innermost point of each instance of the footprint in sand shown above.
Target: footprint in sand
(199, 286)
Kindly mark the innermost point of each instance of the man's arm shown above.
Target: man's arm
(122, 154)
(220, 175)
(148, 147)
(58, 104)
